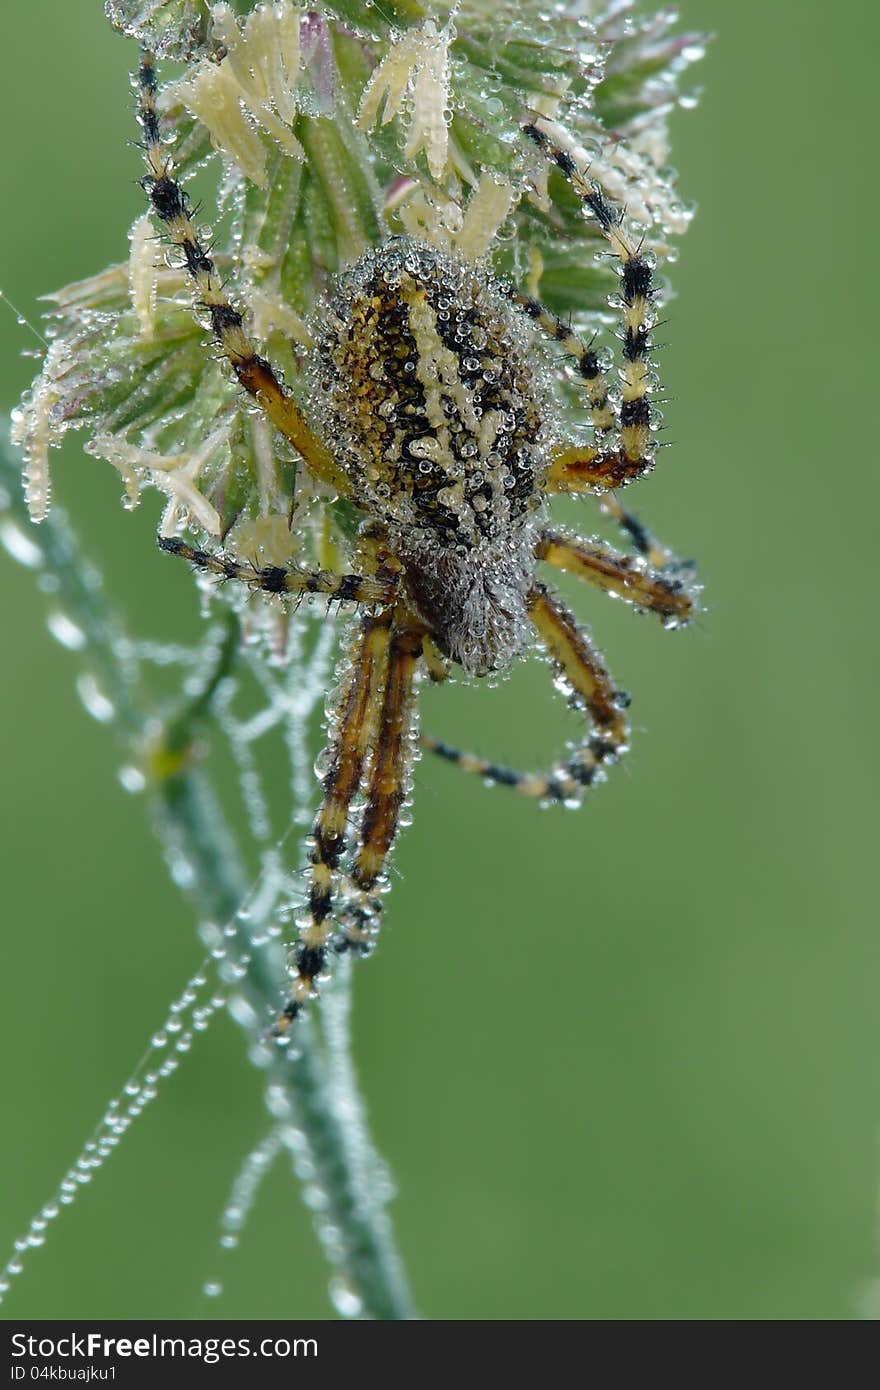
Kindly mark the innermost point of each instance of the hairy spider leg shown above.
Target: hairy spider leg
(658, 556)
(584, 356)
(276, 579)
(584, 469)
(392, 760)
(625, 576)
(581, 668)
(663, 561)
(359, 727)
(171, 205)
(436, 664)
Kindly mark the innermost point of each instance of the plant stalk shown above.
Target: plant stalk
(310, 1089)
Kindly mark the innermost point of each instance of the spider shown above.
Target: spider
(430, 416)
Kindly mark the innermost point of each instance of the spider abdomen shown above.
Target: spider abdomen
(428, 398)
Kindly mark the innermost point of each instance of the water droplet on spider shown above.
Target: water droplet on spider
(323, 761)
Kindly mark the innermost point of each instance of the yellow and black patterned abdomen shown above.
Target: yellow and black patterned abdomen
(428, 399)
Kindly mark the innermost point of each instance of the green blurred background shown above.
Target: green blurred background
(624, 1063)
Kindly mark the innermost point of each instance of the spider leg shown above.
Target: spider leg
(580, 469)
(584, 356)
(357, 729)
(435, 662)
(581, 669)
(663, 591)
(171, 205)
(386, 789)
(658, 556)
(276, 579)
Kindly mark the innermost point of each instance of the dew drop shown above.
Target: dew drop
(131, 779)
(347, 1303)
(65, 631)
(20, 546)
(94, 700)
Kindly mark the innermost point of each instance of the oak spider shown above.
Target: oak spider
(442, 437)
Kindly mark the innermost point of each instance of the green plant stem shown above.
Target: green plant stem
(191, 826)
(303, 1088)
(79, 593)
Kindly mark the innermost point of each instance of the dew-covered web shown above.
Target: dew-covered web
(259, 716)
(371, 1177)
(188, 1015)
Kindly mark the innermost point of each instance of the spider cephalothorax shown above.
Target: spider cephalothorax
(436, 416)
(431, 417)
